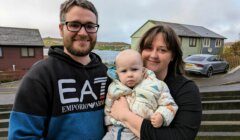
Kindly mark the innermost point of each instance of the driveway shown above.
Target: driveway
(218, 82)
(218, 79)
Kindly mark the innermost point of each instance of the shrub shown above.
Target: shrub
(232, 55)
(236, 48)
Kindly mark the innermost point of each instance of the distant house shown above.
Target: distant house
(19, 48)
(194, 39)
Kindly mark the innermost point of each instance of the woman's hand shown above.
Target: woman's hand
(120, 109)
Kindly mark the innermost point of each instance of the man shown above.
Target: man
(63, 96)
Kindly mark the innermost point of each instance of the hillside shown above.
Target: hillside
(48, 41)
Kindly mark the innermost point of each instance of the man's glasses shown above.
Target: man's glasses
(76, 26)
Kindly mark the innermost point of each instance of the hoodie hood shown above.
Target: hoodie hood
(57, 52)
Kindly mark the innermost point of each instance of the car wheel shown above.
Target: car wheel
(209, 72)
(226, 69)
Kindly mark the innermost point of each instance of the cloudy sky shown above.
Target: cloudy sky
(119, 19)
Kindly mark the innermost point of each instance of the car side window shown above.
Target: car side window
(211, 58)
(219, 58)
(215, 59)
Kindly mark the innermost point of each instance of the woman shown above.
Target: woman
(162, 54)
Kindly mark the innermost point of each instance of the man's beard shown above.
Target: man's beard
(76, 52)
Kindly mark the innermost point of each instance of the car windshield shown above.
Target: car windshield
(195, 58)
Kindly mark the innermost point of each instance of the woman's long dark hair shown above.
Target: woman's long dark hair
(176, 66)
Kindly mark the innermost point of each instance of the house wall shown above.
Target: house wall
(12, 56)
(187, 50)
(213, 49)
(137, 36)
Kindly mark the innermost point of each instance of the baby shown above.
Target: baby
(148, 97)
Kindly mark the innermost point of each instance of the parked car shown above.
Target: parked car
(205, 64)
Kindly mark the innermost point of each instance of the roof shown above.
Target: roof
(203, 32)
(20, 37)
(188, 30)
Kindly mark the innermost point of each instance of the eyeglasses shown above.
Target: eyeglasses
(76, 26)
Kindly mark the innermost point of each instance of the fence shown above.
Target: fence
(7, 76)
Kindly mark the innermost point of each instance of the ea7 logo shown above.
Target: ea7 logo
(86, 89)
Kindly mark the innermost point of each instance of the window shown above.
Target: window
(206, 42)
(192, 42)
(1, 54)
(218, 43)
(27, 52)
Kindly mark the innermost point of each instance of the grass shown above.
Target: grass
(112, 48)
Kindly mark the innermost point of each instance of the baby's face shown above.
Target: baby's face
(130, 72)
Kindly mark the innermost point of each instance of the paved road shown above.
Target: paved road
(7, 92)
(219, 82)
(6, 99)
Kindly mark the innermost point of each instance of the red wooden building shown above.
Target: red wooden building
(20, 48)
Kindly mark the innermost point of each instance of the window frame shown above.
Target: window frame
(28, 49)
(218, 43)
(192, 42)
(206, 42)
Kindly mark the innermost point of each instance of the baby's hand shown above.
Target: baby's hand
(156, 120)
